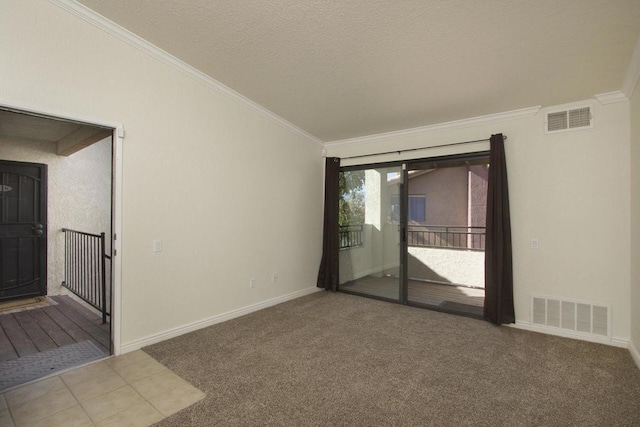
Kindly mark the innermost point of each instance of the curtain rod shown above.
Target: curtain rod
(504, 137)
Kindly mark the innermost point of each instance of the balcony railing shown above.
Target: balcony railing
(426, 236)
(350, 236)
(85, 272)
(446, 236)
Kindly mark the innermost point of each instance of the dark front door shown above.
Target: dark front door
(23, 229)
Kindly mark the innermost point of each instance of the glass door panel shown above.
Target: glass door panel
(446, 235)
(370, 215)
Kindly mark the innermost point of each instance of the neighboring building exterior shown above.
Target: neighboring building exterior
(453, 196)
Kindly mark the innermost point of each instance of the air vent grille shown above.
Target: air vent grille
(570, 315)
(578, 118)
(557, 121)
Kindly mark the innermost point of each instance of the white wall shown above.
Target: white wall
(570, 190)
(233, 194)
(635, 223)
(79, 194)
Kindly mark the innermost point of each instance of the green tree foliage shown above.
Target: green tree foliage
(351, 198)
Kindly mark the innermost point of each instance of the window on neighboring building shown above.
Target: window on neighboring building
(417, 208)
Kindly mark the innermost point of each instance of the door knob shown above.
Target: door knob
(38, 229)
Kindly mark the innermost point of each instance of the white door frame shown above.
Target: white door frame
(116, 264)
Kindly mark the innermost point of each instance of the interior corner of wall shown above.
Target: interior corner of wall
(635, 355)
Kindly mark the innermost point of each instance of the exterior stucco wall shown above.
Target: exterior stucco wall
(357, 262)
(454, 196)
(446, 193)
(79, 194)
(458, 267)
(478, 179)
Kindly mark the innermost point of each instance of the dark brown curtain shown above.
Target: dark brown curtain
(328, 274)
(498, 267)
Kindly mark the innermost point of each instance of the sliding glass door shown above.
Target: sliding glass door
(370, 232)
(414, 232)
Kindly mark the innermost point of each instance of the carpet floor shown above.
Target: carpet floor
(337, 359)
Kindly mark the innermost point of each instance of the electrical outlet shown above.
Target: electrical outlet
(535, 244)
(252, 282)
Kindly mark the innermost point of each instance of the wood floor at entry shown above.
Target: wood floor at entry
(471, 300)
(32, 331)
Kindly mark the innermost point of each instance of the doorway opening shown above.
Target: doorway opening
(56, 224)
(414, 232)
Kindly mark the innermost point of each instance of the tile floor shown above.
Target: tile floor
(129, 390)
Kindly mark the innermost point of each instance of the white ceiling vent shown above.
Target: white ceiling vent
(593, 319)
(577, 118)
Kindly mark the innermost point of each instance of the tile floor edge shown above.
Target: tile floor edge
(57, 373)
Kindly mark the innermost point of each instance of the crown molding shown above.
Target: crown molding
(152, 50)
(633, 73)
(611, 97)
(456, 124)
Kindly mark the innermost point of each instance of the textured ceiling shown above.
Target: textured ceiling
(341, 69)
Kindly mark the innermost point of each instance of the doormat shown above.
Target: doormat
(25, 304)
(27, 368)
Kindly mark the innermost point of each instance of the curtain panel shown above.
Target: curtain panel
(498, 301)
(328, 274)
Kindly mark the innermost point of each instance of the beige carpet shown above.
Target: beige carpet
(337, 359)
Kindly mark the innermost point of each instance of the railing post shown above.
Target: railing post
(66, 255)
(103, 279)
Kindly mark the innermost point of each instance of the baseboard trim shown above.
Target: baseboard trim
(219, 318)
(615, 342)
(635, 355)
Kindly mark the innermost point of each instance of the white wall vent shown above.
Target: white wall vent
(574, 119)
(575, 316)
